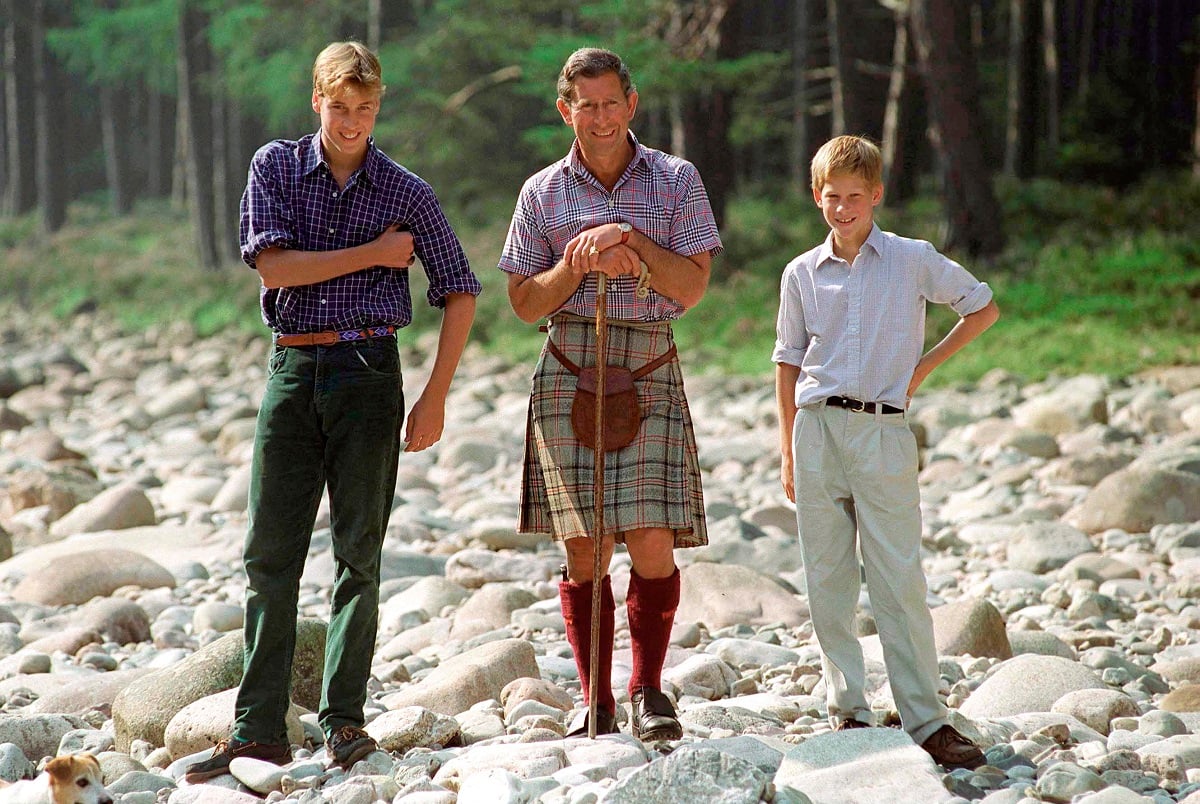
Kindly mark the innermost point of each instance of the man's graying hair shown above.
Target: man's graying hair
(592, 62)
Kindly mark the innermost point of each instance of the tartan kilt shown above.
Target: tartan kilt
(653, 482)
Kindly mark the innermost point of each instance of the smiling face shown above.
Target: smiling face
(600, 115)
(348, 115)
(848, 203)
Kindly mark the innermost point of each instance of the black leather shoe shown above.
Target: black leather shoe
(606, 723)
(654, 716)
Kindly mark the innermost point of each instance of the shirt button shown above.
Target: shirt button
(322, 301)
(332, 230)
(334, 193)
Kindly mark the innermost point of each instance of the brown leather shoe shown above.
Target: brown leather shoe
(349, 744)
(851, 723)
(228, 750)
(951, 750)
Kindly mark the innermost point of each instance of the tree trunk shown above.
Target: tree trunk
(179, 151)
(374, 24)
(706, 122)
(156, 157)
(798, 157)
(222, 235)
(1050, 63)
(1196, 130)
(20, 194)
(47, 112)
(1021, 129)
(194, 66)
(114, 162)
(899, 175)
(840, 69)
(1086, 47)
(942, 38)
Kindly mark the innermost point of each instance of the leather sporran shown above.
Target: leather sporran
(622, 411)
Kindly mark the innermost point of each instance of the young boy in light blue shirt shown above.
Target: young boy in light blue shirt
(848, 349)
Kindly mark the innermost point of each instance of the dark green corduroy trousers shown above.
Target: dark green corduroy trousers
(330, 415)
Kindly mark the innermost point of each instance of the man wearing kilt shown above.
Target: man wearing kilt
(642, 218)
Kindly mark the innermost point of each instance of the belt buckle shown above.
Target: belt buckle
(861, 406)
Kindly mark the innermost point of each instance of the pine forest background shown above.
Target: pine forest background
(1052, 146)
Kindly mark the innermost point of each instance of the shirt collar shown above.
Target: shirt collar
(312, 158)
(875, 240)
(574, 163)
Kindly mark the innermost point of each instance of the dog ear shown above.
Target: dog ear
(60, 768)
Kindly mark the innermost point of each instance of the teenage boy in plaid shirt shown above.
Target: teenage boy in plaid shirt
(332, 225)
(642, 218)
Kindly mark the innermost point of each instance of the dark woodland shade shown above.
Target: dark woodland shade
(1096, 90)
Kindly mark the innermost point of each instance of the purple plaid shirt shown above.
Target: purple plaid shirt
(293, 202)
(660, 194)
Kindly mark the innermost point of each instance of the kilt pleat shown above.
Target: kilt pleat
(654, 482)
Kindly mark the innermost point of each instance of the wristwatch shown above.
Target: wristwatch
(625, 228)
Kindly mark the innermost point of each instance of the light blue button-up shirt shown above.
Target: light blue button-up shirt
(858, 329)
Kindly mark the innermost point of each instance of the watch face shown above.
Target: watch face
(625, 227)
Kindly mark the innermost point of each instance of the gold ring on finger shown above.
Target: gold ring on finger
(593, 251)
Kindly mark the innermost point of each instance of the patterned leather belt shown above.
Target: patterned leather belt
(336, 336)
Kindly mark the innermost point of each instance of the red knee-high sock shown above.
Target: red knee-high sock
(576, 601)
(651, 605)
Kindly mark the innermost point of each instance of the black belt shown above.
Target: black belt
(858, 406)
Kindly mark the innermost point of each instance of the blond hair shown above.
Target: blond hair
(350, 62)
(848, 154)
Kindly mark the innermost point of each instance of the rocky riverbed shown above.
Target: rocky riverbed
(1062, 536)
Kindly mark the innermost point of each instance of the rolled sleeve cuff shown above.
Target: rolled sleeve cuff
(261, 242)
(466, 283)
(974, 301)
(786, 354)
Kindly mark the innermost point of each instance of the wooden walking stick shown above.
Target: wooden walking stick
(598, 500)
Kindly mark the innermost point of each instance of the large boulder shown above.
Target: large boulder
(1137, 498)
(88, 692)
(1028, 683)
(77, 578)
(117, 508)
(200, 724)
(144, 708)
(37, 735)
(971, 627)
(721, 595)
(459, 683)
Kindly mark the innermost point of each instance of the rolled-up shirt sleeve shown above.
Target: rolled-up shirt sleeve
(791, 334)
(439, 250)
(947, 282)
(266, 219)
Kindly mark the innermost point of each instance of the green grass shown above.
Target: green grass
(1092, 281)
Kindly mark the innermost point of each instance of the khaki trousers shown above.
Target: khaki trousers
(856, 486)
